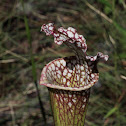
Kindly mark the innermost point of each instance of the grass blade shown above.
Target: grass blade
(33, 65)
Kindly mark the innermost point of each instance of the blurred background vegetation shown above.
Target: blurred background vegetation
(24, 51)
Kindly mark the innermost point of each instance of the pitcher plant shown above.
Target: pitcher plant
(69, 79)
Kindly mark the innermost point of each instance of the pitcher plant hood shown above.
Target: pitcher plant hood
(73, 73)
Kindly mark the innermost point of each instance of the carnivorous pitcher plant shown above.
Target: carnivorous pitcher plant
(69, 79)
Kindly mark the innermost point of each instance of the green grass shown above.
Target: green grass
(33, 65)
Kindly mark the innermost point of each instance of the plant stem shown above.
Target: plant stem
(33, 65)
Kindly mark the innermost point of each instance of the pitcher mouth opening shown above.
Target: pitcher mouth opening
(69, 74)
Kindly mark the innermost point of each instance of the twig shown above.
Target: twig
(53, 51)
(60, 20)
(123, 77)
(3, 54)
(121, 96)
(6, 52)
(12, 114)
(39, 15)
(16, 55)
(112, 40)
(7, 61)
(67, 10)
(98, 12)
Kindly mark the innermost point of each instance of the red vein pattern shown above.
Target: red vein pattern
(69, 79)
(69, 107)
(68, 74)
